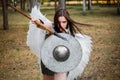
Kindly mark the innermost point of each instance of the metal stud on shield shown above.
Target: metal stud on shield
(61, 55)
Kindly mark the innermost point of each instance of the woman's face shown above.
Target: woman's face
(62, 22)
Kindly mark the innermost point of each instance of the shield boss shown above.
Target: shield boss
(61, 55)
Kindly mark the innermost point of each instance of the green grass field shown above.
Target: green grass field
(17, 62)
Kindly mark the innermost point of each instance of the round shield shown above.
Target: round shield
(61, 55)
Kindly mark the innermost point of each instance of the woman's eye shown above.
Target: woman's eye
(64, 21)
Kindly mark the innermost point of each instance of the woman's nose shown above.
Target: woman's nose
(61, 24)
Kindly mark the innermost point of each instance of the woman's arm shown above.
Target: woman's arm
(40, 24)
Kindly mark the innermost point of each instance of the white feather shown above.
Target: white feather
(85, 42)
(35, 35)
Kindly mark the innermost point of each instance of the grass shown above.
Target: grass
(18, 62)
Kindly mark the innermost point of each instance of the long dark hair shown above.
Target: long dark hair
(72, 25)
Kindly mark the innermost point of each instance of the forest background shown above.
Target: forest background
(17, 61)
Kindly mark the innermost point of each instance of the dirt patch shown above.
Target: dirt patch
(16, 60)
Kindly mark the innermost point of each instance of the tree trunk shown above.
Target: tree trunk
(22, 4)
(89, 4)
(84, 7)
(32, 3)
(55, 5)
(118, 7)
(61, 4)
(5, 14)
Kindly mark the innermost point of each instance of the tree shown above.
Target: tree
(22, 4)
(32, 3)
(5, 14)
(62, 4)
(55, 5)
(84, 7)
(89, 4)
(118, 7)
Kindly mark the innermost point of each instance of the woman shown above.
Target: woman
(62, 24)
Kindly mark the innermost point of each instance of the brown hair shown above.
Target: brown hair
(71, 23)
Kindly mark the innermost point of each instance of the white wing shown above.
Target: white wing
(86, 45)
(35, 35)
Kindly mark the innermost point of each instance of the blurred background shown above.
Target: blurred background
(17, 61)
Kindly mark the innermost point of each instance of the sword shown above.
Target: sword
(39, 24)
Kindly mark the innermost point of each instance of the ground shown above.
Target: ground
(17, 61)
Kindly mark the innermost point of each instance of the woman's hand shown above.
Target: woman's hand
(41, 25)
(34, 20)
